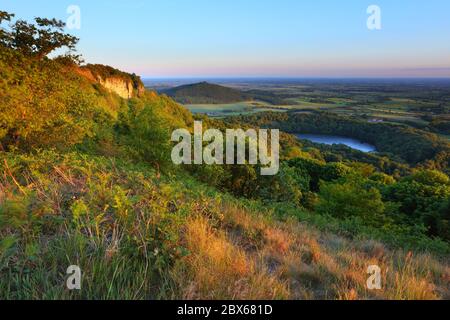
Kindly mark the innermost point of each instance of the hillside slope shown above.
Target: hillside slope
(85, 180)
(137, 235)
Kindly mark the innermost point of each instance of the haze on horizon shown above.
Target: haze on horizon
(257, 38)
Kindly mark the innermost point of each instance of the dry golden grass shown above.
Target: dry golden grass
(217, 269)
(232, 252)
(247, 256)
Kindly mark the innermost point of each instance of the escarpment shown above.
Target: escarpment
(123, 84)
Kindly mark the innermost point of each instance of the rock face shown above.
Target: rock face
(120, 86)
(123, 84)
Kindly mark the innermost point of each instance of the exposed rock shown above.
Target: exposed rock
(120, 86)
(123, 84)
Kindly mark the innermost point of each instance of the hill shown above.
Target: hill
(107, 200)
(86, 179)
(206, 93)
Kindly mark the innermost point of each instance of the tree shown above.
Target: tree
(351, 200)
(35, 40)
(335, 170)
(423, 198)
(5, 16)
(5, 37)
(286, 186)
(147, 135)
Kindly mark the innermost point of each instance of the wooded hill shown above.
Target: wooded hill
(86, 179)
(208, 93)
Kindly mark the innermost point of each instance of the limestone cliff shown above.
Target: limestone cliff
(122, 87)
(123, 84)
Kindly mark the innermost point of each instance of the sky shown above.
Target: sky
(257, 38)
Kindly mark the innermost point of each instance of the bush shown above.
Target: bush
(147, 136)
(351, 199)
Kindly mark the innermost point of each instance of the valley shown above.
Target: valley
(417, 103)
(214, 189)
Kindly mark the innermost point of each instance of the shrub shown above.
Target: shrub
(41, 105)
(351, 199)
(147, 136)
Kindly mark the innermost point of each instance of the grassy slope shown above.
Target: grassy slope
(138, 235)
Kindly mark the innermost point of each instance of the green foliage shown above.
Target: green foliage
(310, 170)
(423, 198)
(284, 187)
(213, 175)
(429, 178)
(404, 236)
(41, 105)
(147, 135)
(35, 40)
(334, 171)
(120, 223)
(80, 180)
(351, 199)
(382, 179)
(242, 181)
(398, 142)
(5, 37)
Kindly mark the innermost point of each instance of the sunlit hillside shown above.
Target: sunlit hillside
(86, 179)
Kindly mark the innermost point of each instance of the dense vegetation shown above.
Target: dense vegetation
(86, 179)
(409, 145)
(36, 40)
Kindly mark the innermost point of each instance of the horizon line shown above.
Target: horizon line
(297, 77)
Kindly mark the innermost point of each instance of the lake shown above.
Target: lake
(330, 140)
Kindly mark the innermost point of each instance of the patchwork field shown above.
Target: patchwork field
(410, 103)
(229, 109)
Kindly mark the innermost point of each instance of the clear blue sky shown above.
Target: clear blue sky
(270, 38)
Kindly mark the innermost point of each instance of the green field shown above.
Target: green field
(239, 108)
(368, 102)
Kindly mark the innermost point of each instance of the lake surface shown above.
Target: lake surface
(330, 140)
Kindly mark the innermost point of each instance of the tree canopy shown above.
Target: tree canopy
(36, 40)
